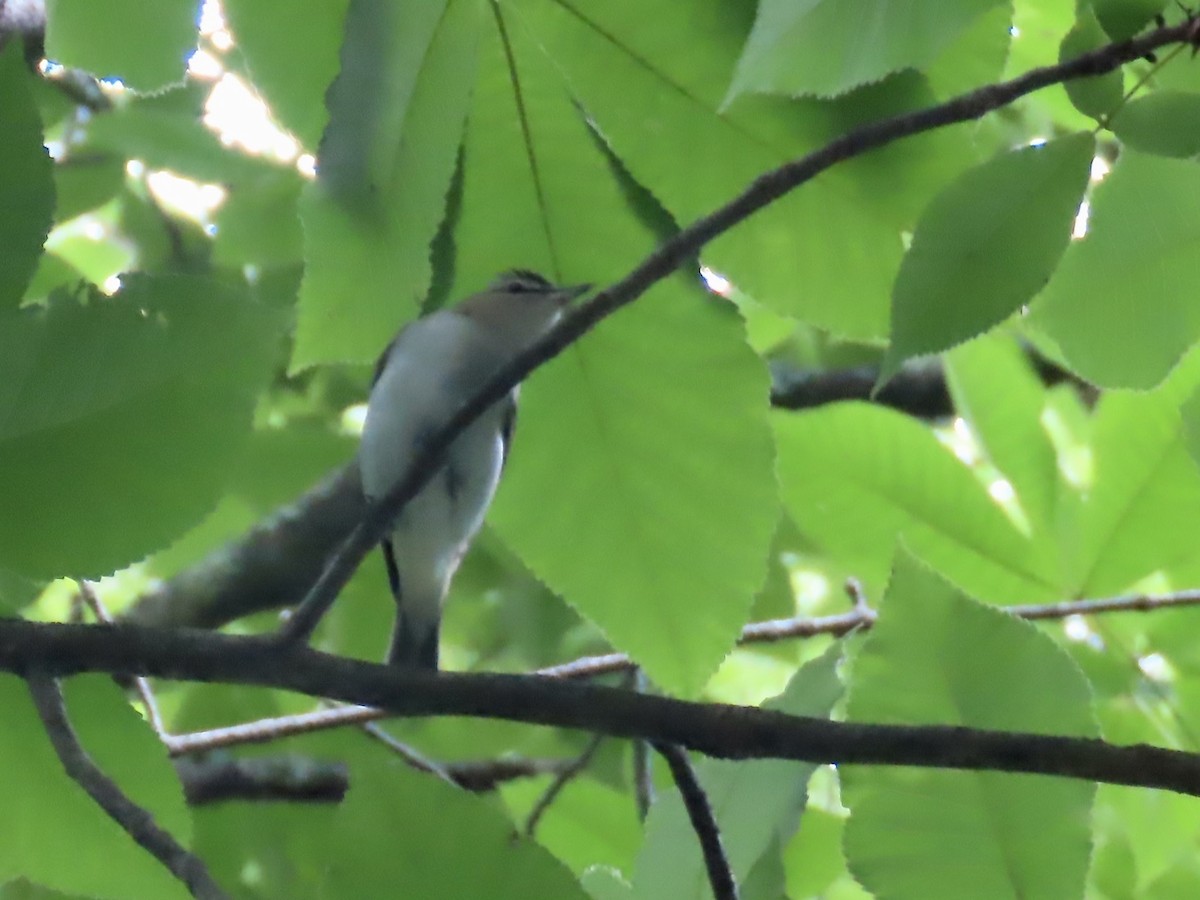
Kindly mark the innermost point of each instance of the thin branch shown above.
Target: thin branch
(137, 822)
(643, 769)
(265, 731)
(221, 777)
(409, 754)
(1121, 603)
(671, 254)
(564, 776)
(768, 631)
(704, 823)
(290, 779)
(87, 593)
(716, 729)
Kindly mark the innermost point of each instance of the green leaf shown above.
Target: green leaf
(937, 656)
(290, 66)
(166, 131)
(655, 455)
(813, 858)
(1190, 413)
(588, 824)
(387, 157)
(1098, 95)
(259, 222)
(995, 389)
(1165, 123)
(857, 477)
(756, 804)
(603, 883)
(44, 807)
(83, 183)
(421, 837)
(261, 850)
(975, 57)
(119, 418)
(986, 245)
(825, 48)
(1123, 19)
(145, 46)
(827, 252)
(1122, 304)
(26, 185)
(1145, 485)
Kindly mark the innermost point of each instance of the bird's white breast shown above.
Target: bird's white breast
(434, 365)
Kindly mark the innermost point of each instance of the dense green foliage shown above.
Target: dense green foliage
(179, 356)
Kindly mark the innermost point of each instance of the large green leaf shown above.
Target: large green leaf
(1146, 484)
(1122, 304)
(166, 130)
(756, 804)
(1124, 18)
(26, 184)
(1166, 123)
(146, 46)
(410, 834)
(1101, 94)
(995, 389)
(45, 810)
(653, 448)
(652, 76)
(827, 47)
(640, 484)
(119, 418)
(986, 245)
(935, 656)
(588, 824)
(856, 478)
(386, 160)
(290, 66)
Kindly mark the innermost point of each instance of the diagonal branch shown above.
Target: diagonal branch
(137, 822)
(676, 251)
(716, 729)
(704, 823)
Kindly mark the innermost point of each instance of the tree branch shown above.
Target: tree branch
(673, 253)
(716, 729)
(561, 779)
(704, 823)
(137, 822)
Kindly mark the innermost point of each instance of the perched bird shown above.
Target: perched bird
(428, 370)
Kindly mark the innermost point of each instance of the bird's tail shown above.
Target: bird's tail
(413, 648)
(415, 635)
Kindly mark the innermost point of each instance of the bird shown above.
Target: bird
(427, 371)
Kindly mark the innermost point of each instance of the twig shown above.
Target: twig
(291, 779)
(262, 731)
(667, 258)
(561, 780)
(704, 823)
(220, 777)
(405, 752)
(643, 770)
(137, 822)
(87, 593)
(768, 631)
